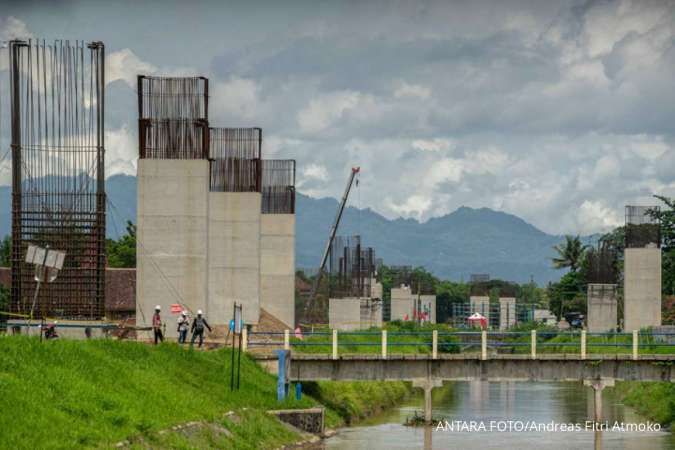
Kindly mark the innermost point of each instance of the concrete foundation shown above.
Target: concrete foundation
(507, 312)
(427, 305)
(602, 308)
(65, 329)
(172, 223)
(354, 313)
(371, 313)
(481, 305)
(401, 303)
(277, 266)
(642, 288)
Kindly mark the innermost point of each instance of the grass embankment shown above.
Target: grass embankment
(402, 337)
(68, 394)
(656, 401)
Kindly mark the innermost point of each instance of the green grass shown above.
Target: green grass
(92, 394)
(402, 337)
(355, 401)
(655, 401)
(67, 394)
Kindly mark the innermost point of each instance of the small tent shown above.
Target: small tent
(477, 320)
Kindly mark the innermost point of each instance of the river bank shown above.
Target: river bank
(655, 401)
(99, 393)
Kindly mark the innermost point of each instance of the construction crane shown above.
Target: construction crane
(333, 231)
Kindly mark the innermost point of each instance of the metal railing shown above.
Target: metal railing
(481, 344)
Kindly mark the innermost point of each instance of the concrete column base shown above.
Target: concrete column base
(598, 386)
(427, 384)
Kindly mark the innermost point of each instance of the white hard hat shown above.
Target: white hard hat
(158, 307)
(199, 312)
(184, 313)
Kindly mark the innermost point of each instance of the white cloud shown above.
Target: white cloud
(235, 98)
(594, 216)
(324, 110)
(403, 90)
(125, 65)
(432, 145)
(315, 172)
(414, 206)
(121, 151)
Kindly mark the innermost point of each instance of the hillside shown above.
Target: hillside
(453, 246)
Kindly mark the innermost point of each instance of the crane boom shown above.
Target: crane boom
(333, 231)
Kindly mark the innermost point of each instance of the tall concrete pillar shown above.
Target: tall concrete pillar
(428, 303)
(401, 303)
(602, 307)
(507, 312)
(171, 245)
(234, 256)
(642, 288)
(480, 304)
(277, 266)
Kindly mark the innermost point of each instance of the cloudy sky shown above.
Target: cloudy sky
(559, 112)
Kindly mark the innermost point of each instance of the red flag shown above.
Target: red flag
(176, 308)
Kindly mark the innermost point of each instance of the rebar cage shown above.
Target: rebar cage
(642, 227)
(58, 191)
(351, 268)
(278, 186)
(173, 117)
(234, 155)
(602, 265)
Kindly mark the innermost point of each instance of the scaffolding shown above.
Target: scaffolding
(58, 191)
(234, 157)
(278, 186)
(643, 229)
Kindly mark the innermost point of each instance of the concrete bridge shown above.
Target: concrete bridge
(630, 361)
(427, 371)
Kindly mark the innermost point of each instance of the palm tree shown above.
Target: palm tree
(570, 253)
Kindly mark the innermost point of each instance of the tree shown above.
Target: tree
(667, 219)
(122, 253)
(567, 295)
(570, 254)
(5, 251)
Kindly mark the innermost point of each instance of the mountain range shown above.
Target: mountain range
(452, 246)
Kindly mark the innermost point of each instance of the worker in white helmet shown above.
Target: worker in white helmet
(157, 325)
(183, 326)
(198, 328)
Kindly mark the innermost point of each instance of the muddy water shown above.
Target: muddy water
(505, 415)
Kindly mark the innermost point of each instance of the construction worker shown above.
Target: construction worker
(157, 325)
(198, 328)
(183, 326)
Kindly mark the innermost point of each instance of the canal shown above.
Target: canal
(505, 415)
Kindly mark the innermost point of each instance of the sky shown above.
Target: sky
(558, 112)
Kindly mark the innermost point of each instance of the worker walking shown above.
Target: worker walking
(157, 325)
(183, 326)
(198, 325)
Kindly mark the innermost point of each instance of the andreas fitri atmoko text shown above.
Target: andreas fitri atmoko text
(509, 426)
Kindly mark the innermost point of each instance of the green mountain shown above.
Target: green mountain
(453, 246)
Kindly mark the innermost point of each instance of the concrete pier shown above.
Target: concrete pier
(602, 307)
(642, 288)
(481, 305)
(428, 384)
(598, 386)
(401, 303)
(507, 312)
(171, 249)
(234, 256)
(277, 266)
